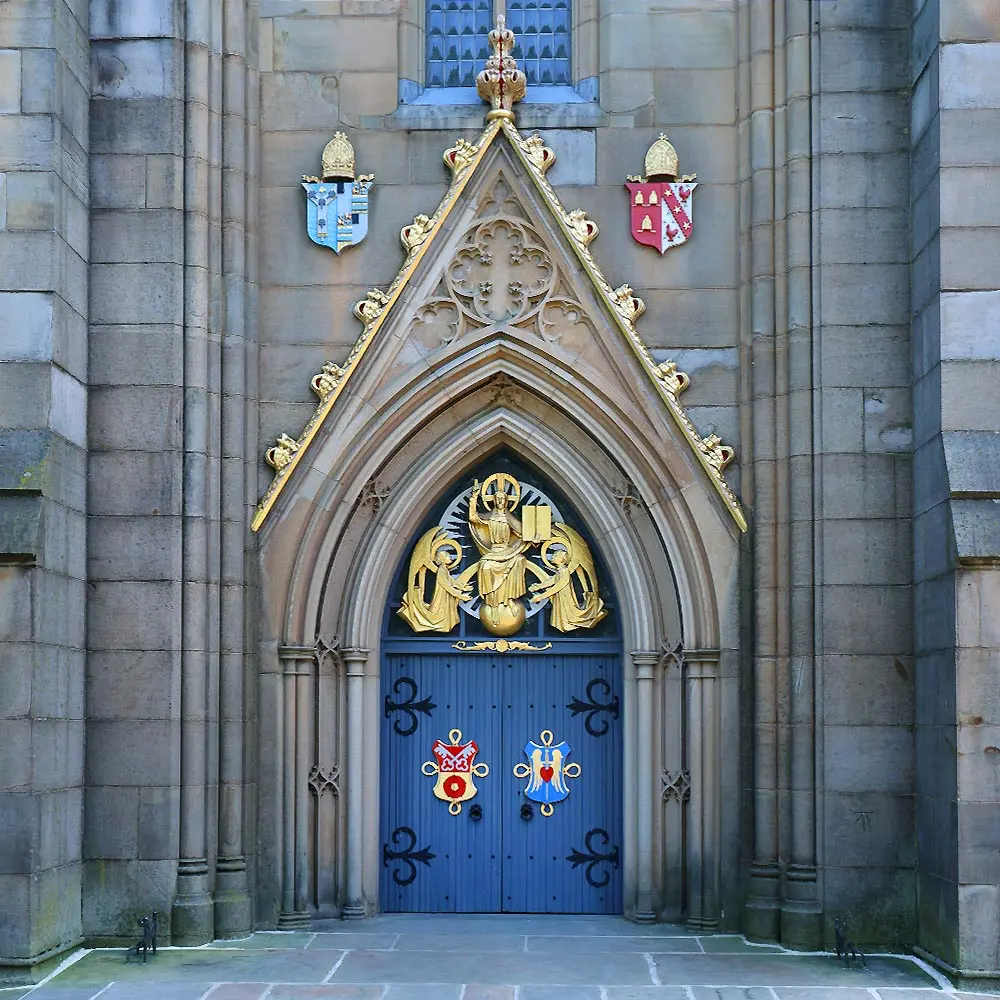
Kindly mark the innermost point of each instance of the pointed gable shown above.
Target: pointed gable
(501, 258)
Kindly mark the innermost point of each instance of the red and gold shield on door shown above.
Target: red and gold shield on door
(455, 766)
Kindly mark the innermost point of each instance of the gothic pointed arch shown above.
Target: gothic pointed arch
(499, 333)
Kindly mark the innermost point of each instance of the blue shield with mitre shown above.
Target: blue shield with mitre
(337, 212)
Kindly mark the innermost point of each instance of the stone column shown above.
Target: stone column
(760, 470)
(233, 911)
(776, 182)
(703, 815)
(297, 668)
(193, 915)
(801, 918)
(355, 661)
(675, 786)
(645, 665)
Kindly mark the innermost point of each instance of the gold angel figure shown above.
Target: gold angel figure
(572, 585)
(498, 536)
(437, 553)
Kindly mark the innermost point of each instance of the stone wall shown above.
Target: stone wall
(825, 384)
(171, 364)
(956, 363)
(44, 80)
(862, 435)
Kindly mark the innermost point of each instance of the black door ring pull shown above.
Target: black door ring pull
(476, 813)
(527, 812)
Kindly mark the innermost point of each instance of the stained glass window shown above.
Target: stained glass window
(542, 32)
(457, 43)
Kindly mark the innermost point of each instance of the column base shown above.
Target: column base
(233, 907)
(192, 915)
(762, 910)
(801, 926)
(298, 920)
(705, 925)
(354, 911)
(801, 913)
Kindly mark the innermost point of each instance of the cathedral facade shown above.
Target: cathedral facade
(500, 456)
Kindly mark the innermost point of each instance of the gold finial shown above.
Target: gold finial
(661, 160)
(338, 159)
(501, 82)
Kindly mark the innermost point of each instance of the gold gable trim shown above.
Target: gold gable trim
(623, 306)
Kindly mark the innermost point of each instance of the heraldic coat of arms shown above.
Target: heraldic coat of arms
(662, 213)
(337, 203)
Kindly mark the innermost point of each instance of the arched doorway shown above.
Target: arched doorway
(501, 740)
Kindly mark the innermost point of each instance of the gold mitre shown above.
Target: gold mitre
(338, 159)
(661, 159)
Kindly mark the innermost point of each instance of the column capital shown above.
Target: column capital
(702, 663)
(644, 661)
(355, 660)
(297, 659)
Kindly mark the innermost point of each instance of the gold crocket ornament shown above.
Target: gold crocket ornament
(662, 206)
(565, 575)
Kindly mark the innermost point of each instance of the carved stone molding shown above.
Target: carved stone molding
(672, 655)
(677, 784)
(627, 496)
(322, 780)
(374, 495)
(504, 390)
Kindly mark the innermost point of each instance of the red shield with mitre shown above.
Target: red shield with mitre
(661, 212)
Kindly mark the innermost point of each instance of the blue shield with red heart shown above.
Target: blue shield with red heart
(547, 770)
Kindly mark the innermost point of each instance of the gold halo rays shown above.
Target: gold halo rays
(500, 481)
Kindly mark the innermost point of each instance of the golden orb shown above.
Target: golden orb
(504, 619)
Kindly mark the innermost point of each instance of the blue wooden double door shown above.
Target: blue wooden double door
(542, 832)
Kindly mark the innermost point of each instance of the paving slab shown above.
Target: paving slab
(155, 991)
(486, 957)
(238, 991)
(264, 940)
(476, 992)
(750, 969)
(558, 993)
(825, 993)
(460, 941)
(733, 944)
(352, 939)
(425, 991)
(493, 968)
(732, 993)
(334, 991)
(647, 993)
(202, 965)
(553, 944)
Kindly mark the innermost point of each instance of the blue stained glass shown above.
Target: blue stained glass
(535, 25)
(468, 20)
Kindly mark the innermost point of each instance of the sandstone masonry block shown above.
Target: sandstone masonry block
(297, 101)
(316, 43)
(10, 81)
